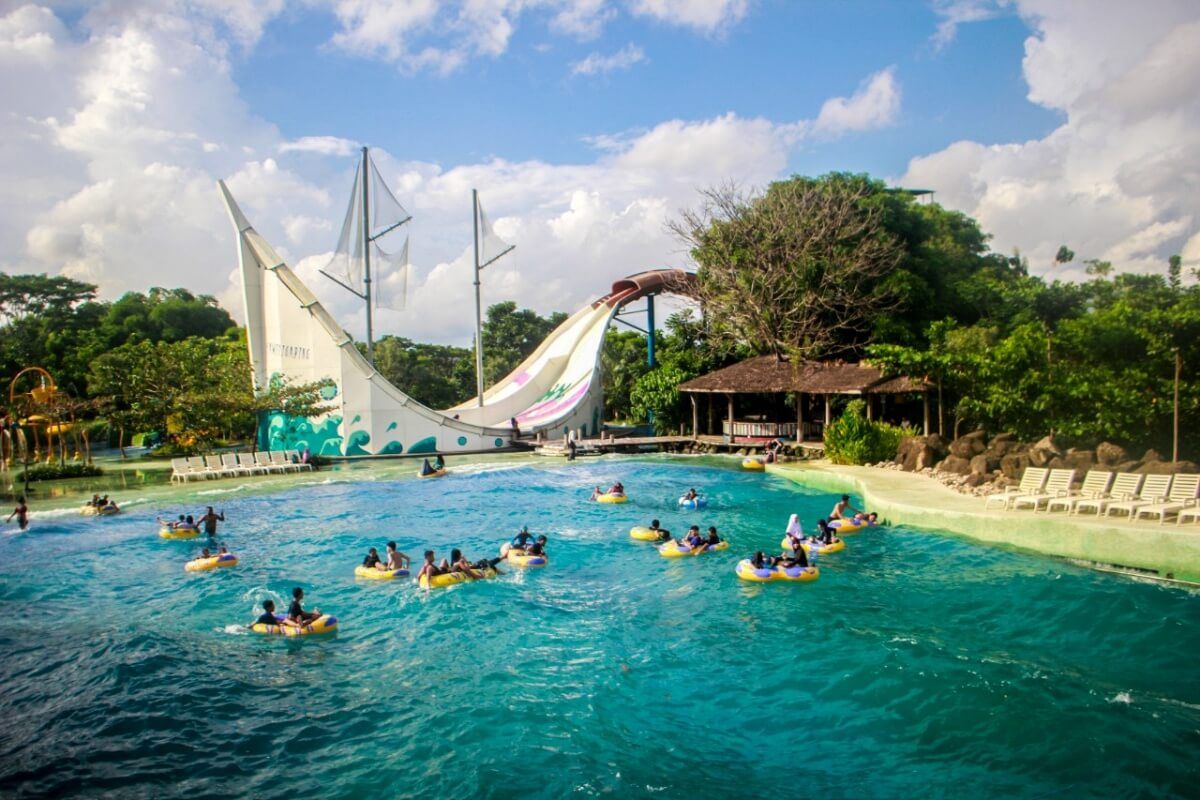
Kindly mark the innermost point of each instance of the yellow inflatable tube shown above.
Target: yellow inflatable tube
(372, 574)
(748, 572)
(643, 534)
(612, 498)
(677, 550)
(450, 579)
(519, 558)
(179, 533)
(325, 623)
(212, 562)
(753, 464)
(437, 473)
(849, 526)
(836, 546)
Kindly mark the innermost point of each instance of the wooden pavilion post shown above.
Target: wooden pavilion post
(828, 411)
(925, 427)
(708, 428)
(695, 416)
(799, 417)
(732, 437)
(870, 411)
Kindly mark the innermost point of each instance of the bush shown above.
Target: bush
(854, 439)
(657, 393)
(54, 472)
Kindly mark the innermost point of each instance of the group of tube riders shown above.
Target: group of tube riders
(524, 550)
(100, 507)
(798, 550)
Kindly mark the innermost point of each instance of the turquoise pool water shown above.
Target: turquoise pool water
(917, 665)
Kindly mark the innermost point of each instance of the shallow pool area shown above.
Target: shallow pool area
(918, 664)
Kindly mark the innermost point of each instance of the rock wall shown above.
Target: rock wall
(975, 464)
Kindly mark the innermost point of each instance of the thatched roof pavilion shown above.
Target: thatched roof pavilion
(772, 375)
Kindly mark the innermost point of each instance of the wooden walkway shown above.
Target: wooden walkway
(608, 444)
(611, 444)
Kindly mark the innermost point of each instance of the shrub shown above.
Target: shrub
(854, 439)
(54, 472)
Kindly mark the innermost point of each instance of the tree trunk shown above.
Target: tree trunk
(941, 412)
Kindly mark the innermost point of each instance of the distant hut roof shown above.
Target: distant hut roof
(769, 375)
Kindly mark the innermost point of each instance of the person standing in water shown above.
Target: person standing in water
(841, 507)
(210, 519)
(21, 512)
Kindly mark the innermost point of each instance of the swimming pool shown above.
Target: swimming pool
(918, 664)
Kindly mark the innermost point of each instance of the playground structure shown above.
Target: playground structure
(47, 416)
(292, 337)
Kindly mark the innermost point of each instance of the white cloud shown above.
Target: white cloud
(597, 64)
(960, 12)
(1116, 180)
(707, 16)
(119, 126)
(323, 145)
(875, 104)
(441, 37)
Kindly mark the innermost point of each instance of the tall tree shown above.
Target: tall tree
(800, 270)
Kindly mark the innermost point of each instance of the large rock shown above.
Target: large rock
(975, 479)
(1080, 461)
(1110, 455)
(969, 446)
(1127, 466)
(1042, 453)
(1002, 444)
(984, 464)
(918, 452)
(1151, 455)
(956, 465)
(1168, 467)
(1014, 465)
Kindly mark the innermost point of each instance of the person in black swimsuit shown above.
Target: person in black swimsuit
(296, 612)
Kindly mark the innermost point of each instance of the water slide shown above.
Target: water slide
(292, 337)
(558, 388)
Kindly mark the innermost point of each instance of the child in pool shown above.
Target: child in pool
(521, 540)
(268, 617)
(372, 559)
(617, 488)
(296, 612)
(538, 548)
(429, 569)
(395, 559)
(664, 535)
(21, 512)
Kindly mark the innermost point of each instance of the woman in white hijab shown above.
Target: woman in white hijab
(795, 533)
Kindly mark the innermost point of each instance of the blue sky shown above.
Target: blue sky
(586, 125)
(780, 62)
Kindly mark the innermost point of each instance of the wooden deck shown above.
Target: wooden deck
(611, 444)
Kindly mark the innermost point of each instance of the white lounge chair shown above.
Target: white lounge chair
(294, 457)
(1154, 490)
(1192, 513)
(279, 461)
(180, 471)
(1184, 492)
(1032, 481)
(230, 465)
(198, 467)
(213, 465)
(1125, 487)
(1057, 485)
(1095, 485)
(247, 463)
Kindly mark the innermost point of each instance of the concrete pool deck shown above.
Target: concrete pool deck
(1167, 551)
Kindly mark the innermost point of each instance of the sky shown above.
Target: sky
(586, 125)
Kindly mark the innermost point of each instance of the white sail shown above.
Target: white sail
(491, 246)
(348, 267)
(392, 289)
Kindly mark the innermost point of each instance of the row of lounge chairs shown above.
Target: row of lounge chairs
(1129, 493)
(233, 464)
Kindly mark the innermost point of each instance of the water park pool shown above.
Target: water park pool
(918, 664)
